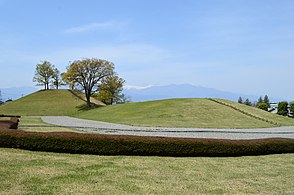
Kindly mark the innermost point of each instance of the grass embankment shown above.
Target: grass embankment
(201, 113)
(26, 172)
(275, 118)
(44, 103)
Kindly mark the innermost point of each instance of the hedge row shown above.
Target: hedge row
(64, 142)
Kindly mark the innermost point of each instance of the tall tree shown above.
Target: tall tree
(88, 73)
(260, 100)
(266, 101)
(43, 74)
(110, 89)
(57, 81)
(240, 100)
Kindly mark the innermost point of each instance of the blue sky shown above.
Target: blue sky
(244, 46)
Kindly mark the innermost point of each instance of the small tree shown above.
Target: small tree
(240, 100)
(87, 74)
(283, 108)
(43, 74)
(267, 101)
(262, 106)
(247, 102)
(110, 89)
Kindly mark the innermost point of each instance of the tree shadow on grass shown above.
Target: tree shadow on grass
(83, 107)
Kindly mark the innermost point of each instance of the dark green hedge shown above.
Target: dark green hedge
(143, 146)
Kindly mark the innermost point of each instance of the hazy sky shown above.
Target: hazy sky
(244, 46)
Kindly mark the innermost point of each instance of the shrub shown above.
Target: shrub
(143, 146)
(262, 106)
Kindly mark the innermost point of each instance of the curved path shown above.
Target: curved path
(119, 129)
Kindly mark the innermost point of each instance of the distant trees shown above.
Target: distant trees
(1, 101)
(240, 100)
(56, 79)
(283, 108)
(88, 74)
(292, 107)
(247, 102)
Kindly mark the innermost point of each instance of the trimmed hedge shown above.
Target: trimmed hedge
(98, 144)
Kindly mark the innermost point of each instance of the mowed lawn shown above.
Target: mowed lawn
(26, 172)
(44, 103)
(201, 113)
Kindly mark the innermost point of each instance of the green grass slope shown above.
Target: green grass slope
(201, 113)
(42, 103)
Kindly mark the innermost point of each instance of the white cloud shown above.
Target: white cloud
(108, 25)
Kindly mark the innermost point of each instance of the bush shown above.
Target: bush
(262, 106)
(142, 146)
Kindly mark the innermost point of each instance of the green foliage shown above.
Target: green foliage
(43, 74)
(267, 101)
(57, 81)
(87, 74)
(247, 102)
(260, 100)
(240, 100)
(292, 107)
(262, 106)
(142, 146)
(282, 108)
(110, 89)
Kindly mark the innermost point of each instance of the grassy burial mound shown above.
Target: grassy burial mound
(202, 113)
(41, 103)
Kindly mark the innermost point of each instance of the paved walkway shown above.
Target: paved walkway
(119, 129)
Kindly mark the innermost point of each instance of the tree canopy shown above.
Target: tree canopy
(87, 74)
(43, 74)
(110, 89)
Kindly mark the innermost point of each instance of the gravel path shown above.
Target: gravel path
(119, 129)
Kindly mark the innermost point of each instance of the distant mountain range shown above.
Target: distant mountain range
(139, 94)
(182, 91)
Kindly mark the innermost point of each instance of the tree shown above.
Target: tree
(260, 100)
(292, 107)
(110, 89)
(267, 101)
(1, 102)
(43, 74)
(57, 81)
(262, 106)
(247, 102)
(240, 100)
(283, 108)
(87, 74)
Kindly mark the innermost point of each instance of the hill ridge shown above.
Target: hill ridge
(245, 113)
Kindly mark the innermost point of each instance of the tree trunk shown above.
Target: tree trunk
(88, 96)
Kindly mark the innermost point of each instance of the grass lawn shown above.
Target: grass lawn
(44, 103)
(26, 172)
(201, 113)
(37, 125)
